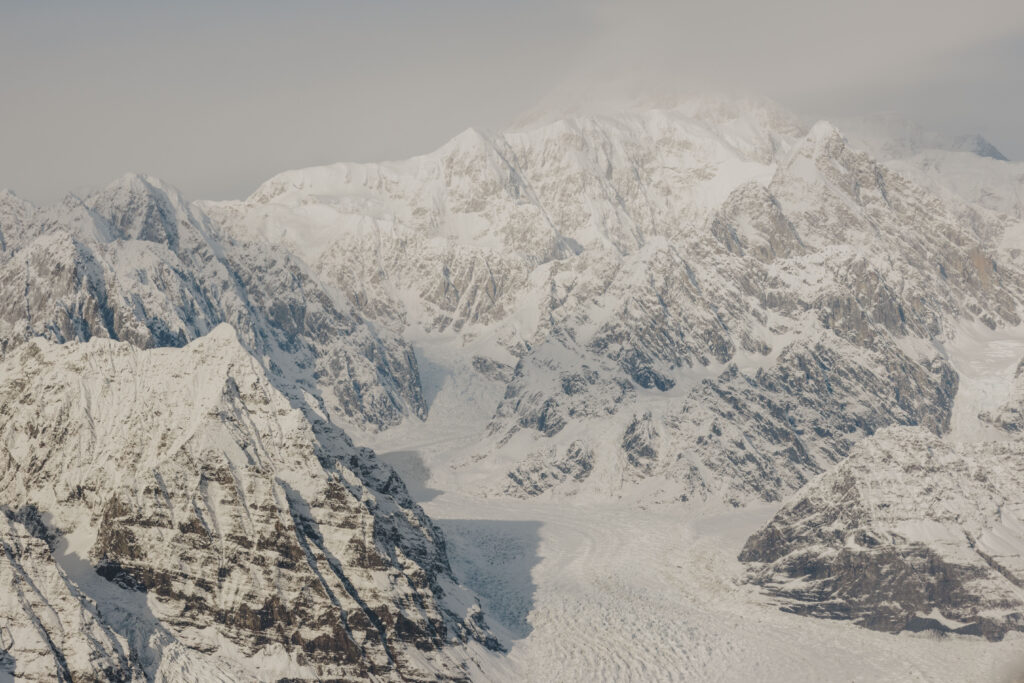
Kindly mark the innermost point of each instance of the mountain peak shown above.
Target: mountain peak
(223, 332)
(11, 201)
(7, 195)
(889, 135)
(142, 184)
(824, 132)
(823, 140)
(711, 109)
(976, 144)
(471, 140)
(143, 207)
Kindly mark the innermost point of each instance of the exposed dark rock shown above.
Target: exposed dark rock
(541, 472)
(908, 533)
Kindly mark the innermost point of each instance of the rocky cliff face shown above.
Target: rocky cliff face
(908, 533)
(49, 629)
(189, 516)
(767, 291)
(1009, 415)
(691, 253)
(712, 301)
(138, 263)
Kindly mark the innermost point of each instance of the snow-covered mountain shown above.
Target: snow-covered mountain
(709, 305)
(190, 521)
(909, 532)
(138, 263)
(711, 297)
(966, 167)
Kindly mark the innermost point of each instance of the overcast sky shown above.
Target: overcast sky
(215, 97)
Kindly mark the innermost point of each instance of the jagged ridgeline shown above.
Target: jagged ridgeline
(908, 533)
(710, 302)
(170, 513)
(137, 263)
(169, 467)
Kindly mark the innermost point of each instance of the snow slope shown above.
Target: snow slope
(136, 262)
(706, 301)
(908, 533)
(177, 504)
(601, 349)
(591, 590)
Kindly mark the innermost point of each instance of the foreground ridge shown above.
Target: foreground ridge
(196, 521)
(601, 350)
(908, 533)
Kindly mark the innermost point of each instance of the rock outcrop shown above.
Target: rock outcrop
(186, 514)
(136, 262)
(908, 533)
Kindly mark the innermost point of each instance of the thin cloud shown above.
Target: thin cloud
(215, 97)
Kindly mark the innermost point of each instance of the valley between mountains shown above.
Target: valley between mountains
(698, 392)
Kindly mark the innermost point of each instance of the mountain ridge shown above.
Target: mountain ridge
(708, 306)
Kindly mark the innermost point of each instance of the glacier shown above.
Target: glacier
(624, 395)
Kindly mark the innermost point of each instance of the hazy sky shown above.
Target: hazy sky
(215, 97)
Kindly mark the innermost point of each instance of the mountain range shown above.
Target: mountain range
(221, 420)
